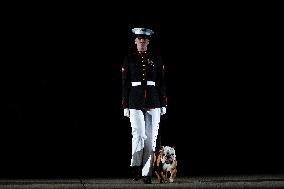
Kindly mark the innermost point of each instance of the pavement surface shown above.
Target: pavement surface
(240, 181)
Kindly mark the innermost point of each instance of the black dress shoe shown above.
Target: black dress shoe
(136, 178)
(136, 173)
(147, 180)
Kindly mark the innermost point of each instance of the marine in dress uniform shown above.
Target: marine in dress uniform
(144, 100)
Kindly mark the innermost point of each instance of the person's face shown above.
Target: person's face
(141, 43)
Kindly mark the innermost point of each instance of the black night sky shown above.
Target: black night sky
(61, 90)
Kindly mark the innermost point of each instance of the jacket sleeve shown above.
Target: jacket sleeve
(125, 82)
(161, 82)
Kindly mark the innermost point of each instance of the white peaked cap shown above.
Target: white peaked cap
(142, 31)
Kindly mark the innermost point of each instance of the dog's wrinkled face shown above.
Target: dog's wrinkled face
(165, 164)
(168, 154)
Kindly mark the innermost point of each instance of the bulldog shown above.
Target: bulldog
(165, 164)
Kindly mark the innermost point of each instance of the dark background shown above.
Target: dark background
(61, 88)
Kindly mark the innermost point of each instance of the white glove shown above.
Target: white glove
(163, 110)
(126, 112)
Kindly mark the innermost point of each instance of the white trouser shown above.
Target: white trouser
(145, 126)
